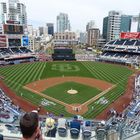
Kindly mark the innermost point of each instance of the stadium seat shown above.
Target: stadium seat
(86, 135)
(62, 132)
(74, 133)
(1, 137)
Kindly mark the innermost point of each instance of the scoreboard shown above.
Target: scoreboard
(12, 29)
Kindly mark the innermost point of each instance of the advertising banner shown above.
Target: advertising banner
(130, 35)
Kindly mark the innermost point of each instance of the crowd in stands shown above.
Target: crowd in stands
(8, 111)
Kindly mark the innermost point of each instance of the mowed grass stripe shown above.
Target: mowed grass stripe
(23, 79)
(22, 73)
(113, 73)
(41, 70)
(93, 70)
(33, 73)
(7, 70)
(10, 71)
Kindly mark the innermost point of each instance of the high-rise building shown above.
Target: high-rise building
(21, 12)
(13, 10)
(50, 28)
(93, 36)
(83, 38)
(125, 23)
(105, 27)
(63, 23)
(114, 23)
(3, 12)
(90, 25)
(134, 23)
(138, 23)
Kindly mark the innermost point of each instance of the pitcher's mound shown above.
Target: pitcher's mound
(72, 91)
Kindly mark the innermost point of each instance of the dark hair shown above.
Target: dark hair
(29, 124)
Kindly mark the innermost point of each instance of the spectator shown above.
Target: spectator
(50, 127)
(62, 122)
(62, 126)
(75, 127)
(29, 125)
(87, 126)
(87, 130)
(75, 123)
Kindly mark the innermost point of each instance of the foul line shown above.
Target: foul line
(65, 104)
(98, 96)
(47, 97)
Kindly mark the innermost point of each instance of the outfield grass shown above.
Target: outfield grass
(17, 76)
(60, 92)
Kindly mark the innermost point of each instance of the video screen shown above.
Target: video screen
(14, 42)
(13, 29)
(25, 41)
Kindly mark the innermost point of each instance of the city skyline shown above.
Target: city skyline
(80, 11)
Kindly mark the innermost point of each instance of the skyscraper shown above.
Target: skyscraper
(125, 23)
(63, 22)
(50, 27)
(93, 36)
(14, 11)
(134, 23)
(3, 12)
(138, 23)
(105, 27)
(21, 12)
(90, 25)
(114, 23)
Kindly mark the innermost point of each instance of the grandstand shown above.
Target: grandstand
(123, 50)
(16, 55)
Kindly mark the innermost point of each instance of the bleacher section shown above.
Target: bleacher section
(124, 51)
(16, 55)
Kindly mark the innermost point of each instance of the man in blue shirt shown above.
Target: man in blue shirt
(75, 123)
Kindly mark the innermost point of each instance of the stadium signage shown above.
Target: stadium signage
(128, 35)
(25, 41)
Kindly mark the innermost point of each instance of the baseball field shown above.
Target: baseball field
(94, 85)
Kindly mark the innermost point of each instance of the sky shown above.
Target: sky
(80, 12)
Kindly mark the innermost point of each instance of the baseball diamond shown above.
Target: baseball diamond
(36, 82)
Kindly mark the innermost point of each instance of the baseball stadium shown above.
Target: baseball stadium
(66, 92)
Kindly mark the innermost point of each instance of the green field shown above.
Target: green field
(60, 92)
(16, 76)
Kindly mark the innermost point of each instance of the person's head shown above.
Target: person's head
(50, 123)
(75, 117)
(87, 123)
(61, 115)
(29, 125)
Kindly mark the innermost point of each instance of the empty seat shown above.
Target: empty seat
(1, 137)
(62, 132)
(86, 135)
(74, 133)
